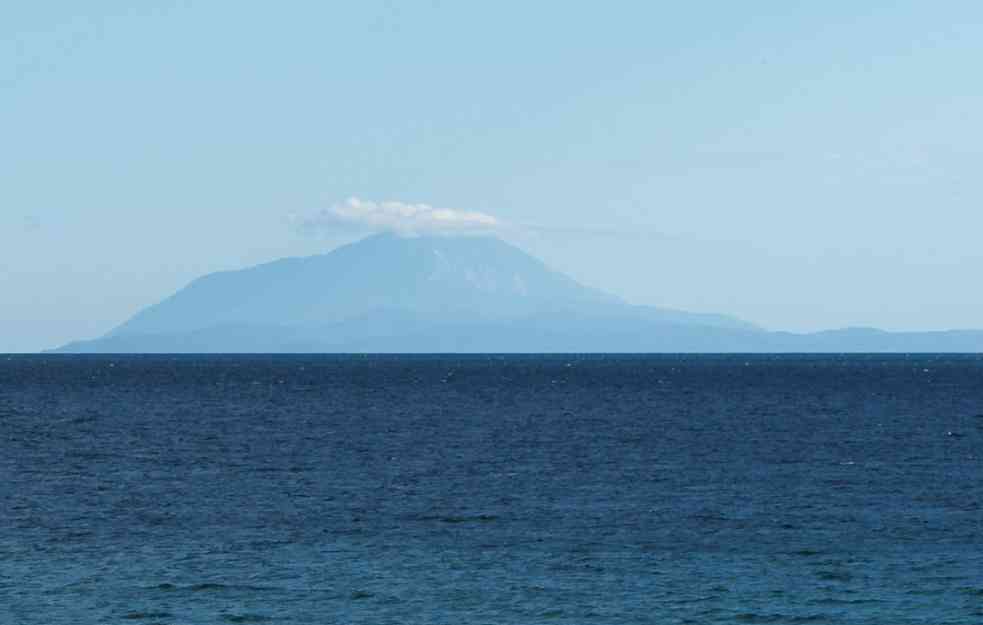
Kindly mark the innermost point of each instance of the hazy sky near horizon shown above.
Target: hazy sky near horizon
(801, 165)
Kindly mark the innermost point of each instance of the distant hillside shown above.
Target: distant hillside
(447, 294)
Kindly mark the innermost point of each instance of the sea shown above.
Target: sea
(491, 489)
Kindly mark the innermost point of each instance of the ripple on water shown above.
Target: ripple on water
(753, 617)
(139, 616)
(210, 587)
(246, 618)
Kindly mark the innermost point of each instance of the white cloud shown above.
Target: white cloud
(408, 219)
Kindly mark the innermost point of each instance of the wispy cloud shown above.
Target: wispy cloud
(366, 216)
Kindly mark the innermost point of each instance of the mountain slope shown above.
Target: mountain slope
(444, 294)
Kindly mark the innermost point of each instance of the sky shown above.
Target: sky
(800, 165)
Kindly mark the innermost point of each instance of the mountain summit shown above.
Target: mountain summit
(465, 278)
(389, 293)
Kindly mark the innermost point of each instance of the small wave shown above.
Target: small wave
(751, 617)
(209, 587)
(838, 601)
(806, 553)
(139, 616)
(702, 599)
(834, 576)
(361, 594)
(716, 517)
(246, 618)
(476, 518)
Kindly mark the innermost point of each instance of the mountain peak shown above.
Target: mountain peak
(438, 276)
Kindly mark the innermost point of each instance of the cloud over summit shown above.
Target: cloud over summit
(361, 215)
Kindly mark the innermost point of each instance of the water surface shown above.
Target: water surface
(491, 489)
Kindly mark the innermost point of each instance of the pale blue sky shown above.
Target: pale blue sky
(802, 165)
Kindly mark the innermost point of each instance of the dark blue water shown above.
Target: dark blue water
(491, 489)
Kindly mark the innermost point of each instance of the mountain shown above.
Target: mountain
(447, 294)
